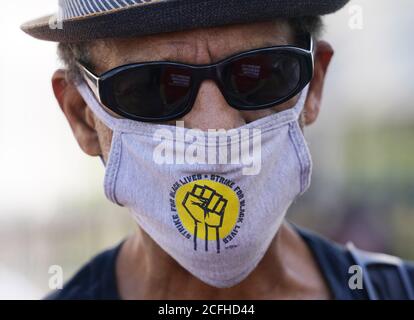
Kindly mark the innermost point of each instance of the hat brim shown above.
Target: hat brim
(170, 16)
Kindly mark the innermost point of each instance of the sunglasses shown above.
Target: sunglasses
(163, 91)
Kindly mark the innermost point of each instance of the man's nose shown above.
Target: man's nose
(211, 111)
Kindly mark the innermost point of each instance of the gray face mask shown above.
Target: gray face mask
(215, 219)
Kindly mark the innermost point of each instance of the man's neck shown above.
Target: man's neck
(287, 271)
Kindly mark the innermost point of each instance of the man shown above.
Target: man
(197, 109)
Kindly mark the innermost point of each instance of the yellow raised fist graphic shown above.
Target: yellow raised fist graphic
(207, 208)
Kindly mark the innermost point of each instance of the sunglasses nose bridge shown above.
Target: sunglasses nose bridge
(206, 73)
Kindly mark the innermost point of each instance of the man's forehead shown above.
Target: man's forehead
(198, 46)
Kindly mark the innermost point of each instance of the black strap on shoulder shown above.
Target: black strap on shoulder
(364, 259)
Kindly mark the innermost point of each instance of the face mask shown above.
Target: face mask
(216, 220)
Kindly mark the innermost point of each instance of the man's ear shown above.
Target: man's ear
(77, 113)
(323, 56)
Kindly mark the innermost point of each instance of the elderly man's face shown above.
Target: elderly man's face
(202, 46)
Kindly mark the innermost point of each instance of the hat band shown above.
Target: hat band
(69, 9)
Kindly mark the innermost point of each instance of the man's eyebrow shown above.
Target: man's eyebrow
(271, 44)
(277, 41)
(165, 56)
(171, 51)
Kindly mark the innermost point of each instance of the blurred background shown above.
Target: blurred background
(52, 207)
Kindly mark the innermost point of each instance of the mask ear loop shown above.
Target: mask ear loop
(95, 106)
(300, 105)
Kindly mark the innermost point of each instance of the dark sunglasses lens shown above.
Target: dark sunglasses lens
(261, 78)
(152, 91)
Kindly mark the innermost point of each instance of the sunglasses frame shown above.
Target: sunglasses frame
(100, 84)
